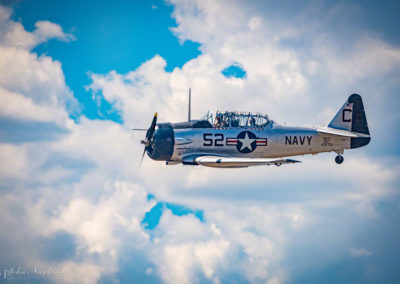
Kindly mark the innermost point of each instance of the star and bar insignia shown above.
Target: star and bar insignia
(246, 142)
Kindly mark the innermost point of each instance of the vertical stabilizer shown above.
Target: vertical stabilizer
(352, 117)
(343, 118)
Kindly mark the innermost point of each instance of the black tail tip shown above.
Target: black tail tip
(355, 98)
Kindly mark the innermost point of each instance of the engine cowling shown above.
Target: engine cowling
(162, 143)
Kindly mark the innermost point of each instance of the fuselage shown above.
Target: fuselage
(173, 142)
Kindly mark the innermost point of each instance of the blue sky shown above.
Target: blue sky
(75, 77)
(110, 37)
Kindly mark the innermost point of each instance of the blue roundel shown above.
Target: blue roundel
(246, 142)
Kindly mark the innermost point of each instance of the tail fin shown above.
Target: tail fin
(352, 117)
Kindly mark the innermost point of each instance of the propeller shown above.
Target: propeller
(149, 136)
(141, 159)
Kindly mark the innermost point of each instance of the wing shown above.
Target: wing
(233, 162)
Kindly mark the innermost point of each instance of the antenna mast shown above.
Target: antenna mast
(190, 99)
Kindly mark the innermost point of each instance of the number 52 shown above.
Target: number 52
(209, 140)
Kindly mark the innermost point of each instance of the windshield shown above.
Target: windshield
(235, 119)
(208, 116)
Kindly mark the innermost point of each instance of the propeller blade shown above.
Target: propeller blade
(139, 129)
(141, 160)
(153, 123)
(152, 128)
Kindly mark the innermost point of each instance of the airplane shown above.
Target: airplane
(241, 139)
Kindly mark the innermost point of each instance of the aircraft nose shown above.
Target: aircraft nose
(162, 142)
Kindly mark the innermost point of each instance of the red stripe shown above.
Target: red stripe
(262, 142)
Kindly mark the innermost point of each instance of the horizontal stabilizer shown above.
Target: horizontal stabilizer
(340, 132)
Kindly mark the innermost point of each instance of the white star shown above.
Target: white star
(246, 142)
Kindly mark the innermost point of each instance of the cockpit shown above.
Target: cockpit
(237, 119)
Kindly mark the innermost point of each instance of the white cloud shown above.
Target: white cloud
(14, 163)
(290, 60)
(279, 80)
(32, 87)
(369, 58)
(46, 30)
(184, 246)
(23, 107)
(358, 252)
(39, 78)
(13, 33)
(88, 185)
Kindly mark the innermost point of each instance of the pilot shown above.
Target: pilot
(223, 123)
(217, 122)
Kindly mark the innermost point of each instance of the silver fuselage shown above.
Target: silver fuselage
(270, 142)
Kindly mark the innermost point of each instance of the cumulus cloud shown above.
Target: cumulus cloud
(13, 33)
(281, 79)
(289, 59)
(32, 87)
(84, 186)
(46, 30)
(21, 107)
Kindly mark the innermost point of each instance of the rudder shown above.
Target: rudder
(359, 119)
